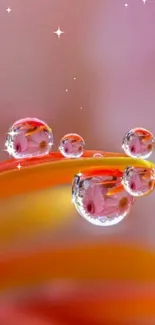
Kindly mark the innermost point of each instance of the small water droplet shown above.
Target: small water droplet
(138, 143)
(97, 155)
(29, 137)
(104, 201)
(139, 181)
(72, 146)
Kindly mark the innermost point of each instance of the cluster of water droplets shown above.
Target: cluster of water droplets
(103, 197)
(138, 143)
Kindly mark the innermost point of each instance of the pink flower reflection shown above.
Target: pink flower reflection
(72, 147)
(98, 203)
(38, 140)
(140, 181)
(31, 143)
(137, 146)
(94, 199)
(20, 143)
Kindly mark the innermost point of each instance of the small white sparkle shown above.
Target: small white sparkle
(58, 32)
(126, 5)
(66, 90)
(74, 78)
(81, 107)
(19, 166)
(10, 151)
(144, 1)
(12, 133)
(8, 10)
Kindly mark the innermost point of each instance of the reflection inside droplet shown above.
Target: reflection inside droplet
(29, 137)
(72, 146)
(139, 181)
(138, 142)
(101, 199)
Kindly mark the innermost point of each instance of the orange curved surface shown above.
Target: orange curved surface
(82, 263)
(40, 173)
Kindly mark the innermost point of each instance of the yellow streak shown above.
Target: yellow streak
(25, 216)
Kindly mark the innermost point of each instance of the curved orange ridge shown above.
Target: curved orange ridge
(53, 156)
(51, 170)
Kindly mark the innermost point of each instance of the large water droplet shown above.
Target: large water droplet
(72, 146)
(29, 137)
(138, 143)
(139, 181)
(100, 197)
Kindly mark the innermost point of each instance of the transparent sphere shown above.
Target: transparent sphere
(72, 146)
(101, 199)
(139, 181)
(138, 143)
(29, 137)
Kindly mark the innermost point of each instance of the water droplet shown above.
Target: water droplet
(29, 137)
(101, 199)
(138, 143)
(97, 155)
(72, 146)
(139, 181)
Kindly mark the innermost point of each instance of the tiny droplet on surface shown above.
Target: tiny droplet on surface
(98, 155)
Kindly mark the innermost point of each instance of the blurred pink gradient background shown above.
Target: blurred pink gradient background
(106, 61)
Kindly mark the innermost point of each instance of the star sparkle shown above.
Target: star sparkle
(58, 32)
(126, 5)
(9, 150)
(19, 166)
(144, 1)
(8, 10)
(12, 133)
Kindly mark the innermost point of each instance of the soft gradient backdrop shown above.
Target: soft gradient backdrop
(97, 79)
(109, 49)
